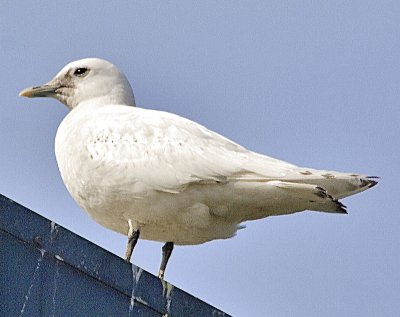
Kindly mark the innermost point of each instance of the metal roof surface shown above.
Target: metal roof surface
(47, 270)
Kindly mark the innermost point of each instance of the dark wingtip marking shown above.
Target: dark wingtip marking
(372, 184)
(341, 208)
(341, 205)
(368, 181)
(321, 192)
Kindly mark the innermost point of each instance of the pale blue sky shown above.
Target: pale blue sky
(314, 84)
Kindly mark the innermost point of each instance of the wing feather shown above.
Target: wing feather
(168, 152)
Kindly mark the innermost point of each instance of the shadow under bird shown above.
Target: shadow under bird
(159, 176)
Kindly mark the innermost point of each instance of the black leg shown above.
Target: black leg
(133, 236)
(166, 253)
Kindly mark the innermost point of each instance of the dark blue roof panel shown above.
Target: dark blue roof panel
(46, 270)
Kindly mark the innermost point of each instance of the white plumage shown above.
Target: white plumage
(165, 176)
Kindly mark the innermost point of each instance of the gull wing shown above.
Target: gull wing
(168, 152)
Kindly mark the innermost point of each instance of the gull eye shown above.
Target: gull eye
(81, 71)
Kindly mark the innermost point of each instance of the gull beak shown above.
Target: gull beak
(46, 90)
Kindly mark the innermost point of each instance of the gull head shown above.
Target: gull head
(89, 80)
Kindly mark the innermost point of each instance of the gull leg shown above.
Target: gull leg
(166, 253)
(133, 236)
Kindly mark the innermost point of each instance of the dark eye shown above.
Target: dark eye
(81, 71)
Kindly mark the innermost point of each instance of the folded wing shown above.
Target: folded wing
(167, 152)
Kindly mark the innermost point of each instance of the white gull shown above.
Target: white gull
(159, 176)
